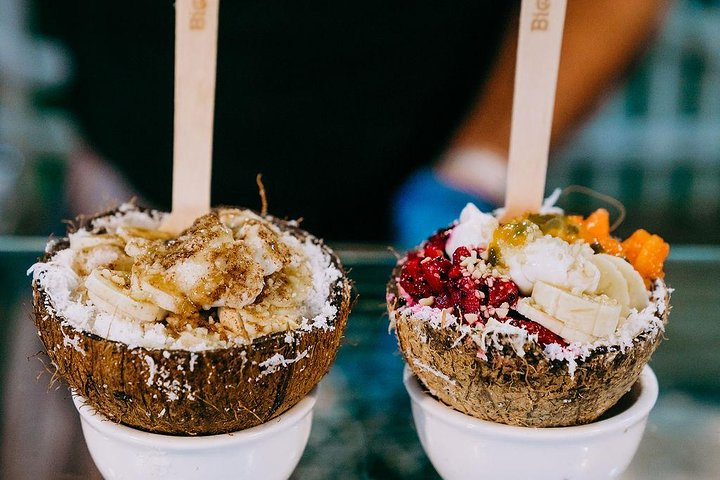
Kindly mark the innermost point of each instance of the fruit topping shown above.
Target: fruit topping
(647, 253)
(629, 280)
(576, 318)
(515, 233)
(435, 245)
(470, 295)
(466, 285)
(563, 277)
(230, 277)
(554, 261)
(434, 271)
(501, 290)
(595, 230)
(545, 336)
(412, 279)
(556, 225)
(460, 254)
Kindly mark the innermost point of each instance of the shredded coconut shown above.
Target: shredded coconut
(128, 215)
(434, 371)
(273, 363)
(73, 342)
(434, 316)
(152, 370)
(162, 379)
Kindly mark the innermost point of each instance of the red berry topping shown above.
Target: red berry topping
(459, 255)
(412, 279)
(469, 296)
(435, 272)
(435, 245)
(433, 251)
(455, 272)
(428, 272)
(469, 303)
(502, 290)
(545, 336)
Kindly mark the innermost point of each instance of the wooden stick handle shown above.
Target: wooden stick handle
(538, 58)
(196, 26)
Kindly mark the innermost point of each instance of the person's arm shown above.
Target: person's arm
(601, 40)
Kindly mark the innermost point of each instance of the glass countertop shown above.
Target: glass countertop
(363, 426)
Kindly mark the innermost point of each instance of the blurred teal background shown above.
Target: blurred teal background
(655, 144)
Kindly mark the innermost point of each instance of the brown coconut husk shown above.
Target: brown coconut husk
(184, 393)
(528, 391)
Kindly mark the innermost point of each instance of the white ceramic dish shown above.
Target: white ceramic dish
(463, 447)
(269, 451)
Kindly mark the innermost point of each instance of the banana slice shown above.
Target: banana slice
(82, 240)
(594, 316)
(573, 335)
(612, 282)
(142, 287)
(108, 291)
(528, 309)
(639, 296)
(231, 319)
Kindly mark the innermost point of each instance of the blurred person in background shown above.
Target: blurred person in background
(369, 120)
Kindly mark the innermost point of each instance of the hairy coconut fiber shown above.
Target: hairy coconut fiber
(193, 393)
(527, 391)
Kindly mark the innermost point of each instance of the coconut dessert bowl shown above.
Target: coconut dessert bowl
(543, 321)
(220, 329)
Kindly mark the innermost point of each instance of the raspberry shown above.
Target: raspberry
(432, 251)
(545, 336)
(469, 298)
(435, 245)
(455, 272)
(459, 255)
(435, 272)
(412, 279)
(470, 303)
(501, 291)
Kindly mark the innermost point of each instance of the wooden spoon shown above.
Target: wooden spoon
(538, 58)
(196, 26)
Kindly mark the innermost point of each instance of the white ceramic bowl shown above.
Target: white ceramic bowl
(269, 451)
(463, 447)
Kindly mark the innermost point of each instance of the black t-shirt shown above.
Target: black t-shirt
(335, 103)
